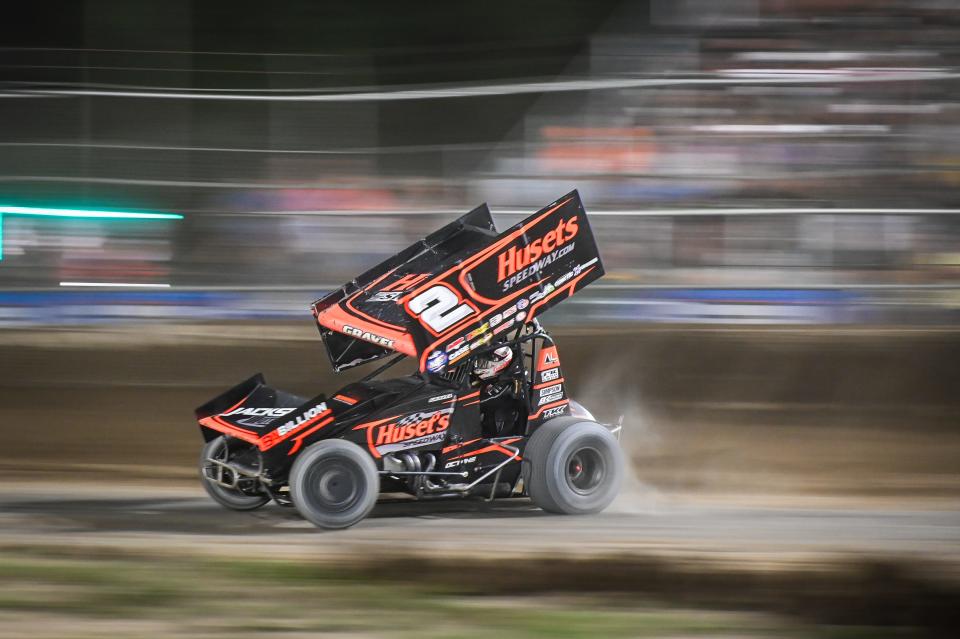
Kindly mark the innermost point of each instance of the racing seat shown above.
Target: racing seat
(499, 409)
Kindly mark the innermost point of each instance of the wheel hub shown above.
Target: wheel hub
(335, 486)
(585, 470)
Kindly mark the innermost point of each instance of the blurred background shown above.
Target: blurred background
(743, 161)
(775, 189)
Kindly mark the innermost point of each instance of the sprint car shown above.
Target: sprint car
(454, 301)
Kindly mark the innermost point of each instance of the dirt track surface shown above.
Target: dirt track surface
(864, 410)
(184, 521)
(793, 415)
(804, 472)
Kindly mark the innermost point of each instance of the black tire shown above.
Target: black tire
(232, 498)
(572, 466)
(334, 484)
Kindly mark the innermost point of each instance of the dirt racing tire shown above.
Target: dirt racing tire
(334, 484)
(232, 498)
(572, 466)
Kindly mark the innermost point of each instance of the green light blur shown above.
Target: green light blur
(85, 214)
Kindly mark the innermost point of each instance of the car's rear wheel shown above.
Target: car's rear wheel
(246, 495)
(572, 466)
(334, 484)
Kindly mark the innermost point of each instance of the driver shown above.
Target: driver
(497, 409)
(493, 364)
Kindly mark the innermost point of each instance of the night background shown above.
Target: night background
(774, 186)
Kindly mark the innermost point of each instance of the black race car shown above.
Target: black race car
(486, 413)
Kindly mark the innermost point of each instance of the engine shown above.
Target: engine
(412, 462)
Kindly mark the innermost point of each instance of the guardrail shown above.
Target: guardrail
(602, 303)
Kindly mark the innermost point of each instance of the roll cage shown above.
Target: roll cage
(521, 368)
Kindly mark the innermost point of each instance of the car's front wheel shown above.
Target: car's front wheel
(334, 484)
(572, 466)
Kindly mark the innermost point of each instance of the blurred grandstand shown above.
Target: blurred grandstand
(746, 161)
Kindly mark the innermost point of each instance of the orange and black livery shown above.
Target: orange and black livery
(449, 301)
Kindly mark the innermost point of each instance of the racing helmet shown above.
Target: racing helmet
(494, 363)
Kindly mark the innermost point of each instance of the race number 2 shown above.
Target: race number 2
(439, 308)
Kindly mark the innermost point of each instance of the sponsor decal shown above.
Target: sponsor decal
(436, 361)
(510, 310)
(563, 279)
(549, 398)
(537, 253)
(459, 354)
(307, 417)
(478, 331)
(579, 268)
(385, 296)
(496, 319)
(440, 398)
(367, 336)
(539, 295)
(548, 358)
(417, 429)
(550, 375)
(522, 304)
(554, 412)
(259, 412)
(550, 390)
(408, 281)
(399, 288)
(457, 462)
(522, 315)
(298, 421)
(426, 440)
(536, 267)
(483, 341)
(505, 326)
(455, 344)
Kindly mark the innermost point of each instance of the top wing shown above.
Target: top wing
(361, 321)
(458, 288)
